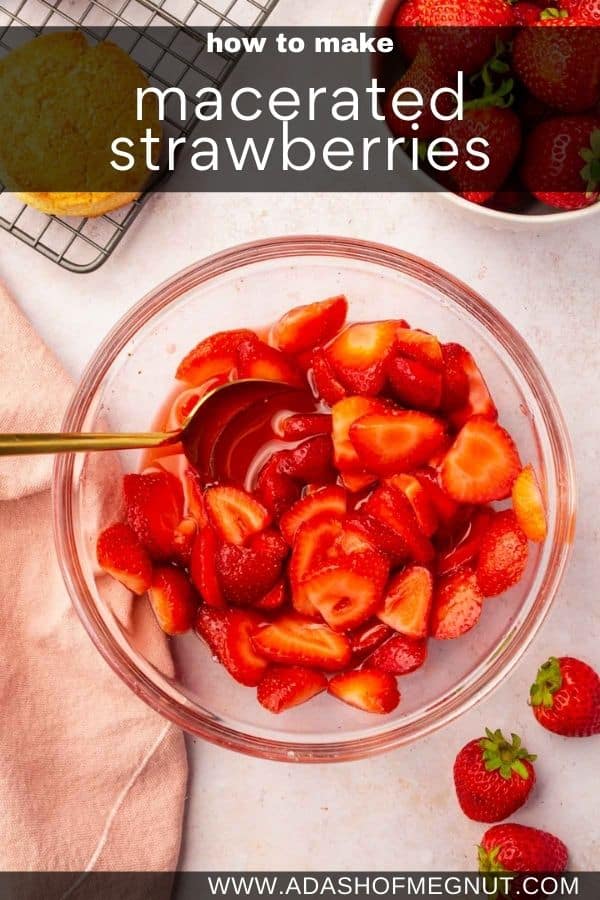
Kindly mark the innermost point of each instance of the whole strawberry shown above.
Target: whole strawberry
(561, 161)
(565, 697)
(586, 11)
(518, 848)
(493, 777)
(427, 76)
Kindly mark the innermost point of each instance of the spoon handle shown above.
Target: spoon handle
(27, 444)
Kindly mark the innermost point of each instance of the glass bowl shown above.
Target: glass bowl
(126, 383)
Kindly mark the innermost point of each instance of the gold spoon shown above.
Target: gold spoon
(198, 434)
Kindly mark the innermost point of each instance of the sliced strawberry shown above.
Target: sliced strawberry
(359, 353)
(394, 516)
(482, 463)
(216, 355)
(235, 514)
(313, 546)
(297, 640)
(447, 509)
(277, 597)
(193, 490)
(356, 482)
(369, 636)
(182, 406)
(479, 401)
(354, 538)
(419, 499)
(407, 603)
(368, 689)
(211, 626)
(396, 441)
(246, 574)
(528, 504)
(330, 499)
(348, 593)
(312, 460)
(276, 491)
(154, 509)
(303, 425)
(184, 537)
(258, 360)
(203, 570)
(413, 383)
(502, 554)
(239, 656)
(304, 327)
(420, 346)
(173, 600)
(465, 551)
(121, 554)
(399, 656)
(283, 687)
(456, 606)
(325, 384)
(343, 416)
(455, 382)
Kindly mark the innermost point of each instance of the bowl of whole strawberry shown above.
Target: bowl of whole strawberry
(531, 92)
(349, 563)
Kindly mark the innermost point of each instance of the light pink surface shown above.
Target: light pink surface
(90, 777)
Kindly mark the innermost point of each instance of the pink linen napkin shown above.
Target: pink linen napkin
(91, 779)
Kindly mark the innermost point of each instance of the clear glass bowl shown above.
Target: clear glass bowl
(127, 381)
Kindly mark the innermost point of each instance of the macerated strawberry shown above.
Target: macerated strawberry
(466, 550)
(447, 509)
(303, 425)
(312, 460)
(358, 355)
(239, 655)
(355, 482)
(246, 574)
(276, 491)
(154, 509)
(235, 514)
(256, 359)
(216, 355)
(203, 569)
(193, 490)
(528, 504)
(330, 499)
(347, 593)
(413, 383)
(211, 626)
(455, 382)
(173, 600)
(277, 597)
(120, 553)
(396, 441)
(325, 383)
(457, 604)
(420, 346)
(297, 640)
(184, 537)
(400, 655)
(502, 555)
(478, 399)
(367, 689)
(393, 521)
(407, 603)
(343, 416)
(419, 499)
(304, 327)
(482, 463)
(313, 548)
(369, 636)
(183, 405)
(283, 687)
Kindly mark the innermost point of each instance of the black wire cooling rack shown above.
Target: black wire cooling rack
(170, 55)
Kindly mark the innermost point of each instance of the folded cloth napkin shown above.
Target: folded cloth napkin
(91, 779)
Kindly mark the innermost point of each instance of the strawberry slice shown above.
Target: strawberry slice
(348, 593)
(528, 504)
(355, 482)
(154, 509)
(325, 384)
(313, 548)
(420, 346)
(256, 359)
(277, 597)
(239, 655)
(193, 490)
(343, 416)
(457, 605)
(330, 499)
(447, 509)
(413, 383)
(502, 554)
(455, 383)
(211, 626)
(465, 551)
(391, 519)
(173, 600)
(310, 461)
(184, 537)
(482, 463)
(248, 573)
(303, 327)
(203, 570)
(359, 353)
(369, 636)
(396, 441)
(419, 499)
(276, 491)
(120, 553)
(368, 689)
(296, 640)
(303, 425)
(399, 656)
(478, 401)
(235, 514)
(283, 687)
(216, 355)
(407, 603)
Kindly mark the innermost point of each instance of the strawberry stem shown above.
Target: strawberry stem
(488, 860)
(503, 757)
(591, 171)
(551, 12)
(494, 93)
(548, 681)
